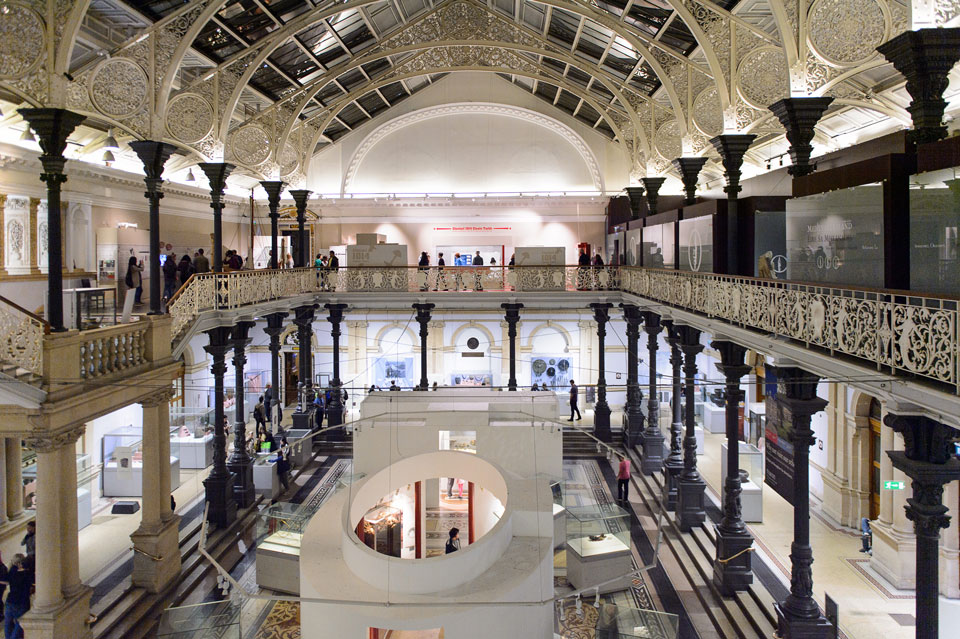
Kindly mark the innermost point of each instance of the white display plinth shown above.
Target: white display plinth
(751, 496)
(751, 503)
(194, 452)
(300, 456)
(594, 562)
(278, 563)
(713, 418)
(266, 482)
(128, 482)
(559, 525)
(698, 430)
(84, 508)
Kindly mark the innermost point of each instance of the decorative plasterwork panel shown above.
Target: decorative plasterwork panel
(190, 118)
(396, 124)
(707, 114)
(762, 77)
(118, 87)
(289, 160)
(22, 40)
(847, 32)
(667, 140)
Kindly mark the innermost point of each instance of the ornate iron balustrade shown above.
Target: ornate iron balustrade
(912, 334)
(21, 337)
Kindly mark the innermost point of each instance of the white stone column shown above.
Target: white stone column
(156, 556)
(69, 537)
(14, 479)
(50, 518)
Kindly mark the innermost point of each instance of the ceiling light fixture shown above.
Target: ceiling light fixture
(108, 157)
(110, 143)
(27, 136)
(190, 176)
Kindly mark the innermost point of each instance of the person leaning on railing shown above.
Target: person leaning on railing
(333, 265)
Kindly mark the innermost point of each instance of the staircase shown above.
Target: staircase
(577, 443)
(343, 448)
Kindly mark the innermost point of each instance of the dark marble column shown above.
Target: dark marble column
(303, 318)
(927, 459)
(154, 156)
(512, 316)
(925, 58)
(673, 464)
(798, 615)
(690, 485)
(217, 173)
(273, 189)
(653, 185)
(240, 463)
(632, 413)
(652, 460)
(300, 198)
(732, 569)
(219, 483)
(689, 169)
(601, 410)
(423, 318)
(335, 407)
(635, 195)
(798, 117)
(731, 147)
(53, 126)
(274, 328)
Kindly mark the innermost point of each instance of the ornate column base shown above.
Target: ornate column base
(732, 569)
(671, 481)
(633, 429)
(601, 423)
(69, 619)
(793, 627)
(690, 512)
(156, 556)
(652, 459)
(244, 492)
(219, 495)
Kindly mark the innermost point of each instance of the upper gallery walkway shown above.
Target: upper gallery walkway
(890, 335)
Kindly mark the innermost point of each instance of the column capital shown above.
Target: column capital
(731, 360)
(154, 156)
(46, 442)
(511, 311)
(157, 398)
(731, 147)
(300, 197)
(631, 314)
(217, 173)
(924, 439)
(651, 322)
(798, 117)
(635, 195)
(275, 323)
(219, 345)
(53, 127)
(273, 188)
(653, 185)
(305, 315)
(689, 169)
(601, 313)
(335, 312)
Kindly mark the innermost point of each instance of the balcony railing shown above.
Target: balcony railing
(21, 337)
(913, 334)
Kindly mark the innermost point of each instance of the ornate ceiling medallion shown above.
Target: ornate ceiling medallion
(22, 41)
(846, 33)
(762, 77)
(251, 145)
(707, 114)
(189, 118)
(118, 87)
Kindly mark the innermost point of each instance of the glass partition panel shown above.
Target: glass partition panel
(612, 617)
(770, 244)
(836, 237)
(658, 246)
(634, 243)
(934, 225)
(696, 244)
(214, 620)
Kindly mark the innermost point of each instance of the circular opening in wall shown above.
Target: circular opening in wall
(473, 343)
(392, 526)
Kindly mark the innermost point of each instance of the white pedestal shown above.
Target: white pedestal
(265, 479)
(751, 503)
(559, 525)
(300, 456)
(278, 565)
(713, 418)
(193, 452)
(698, 430)
(128, 482)
(84, 508)
(593, 562)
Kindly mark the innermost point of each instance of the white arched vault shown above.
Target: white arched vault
(526, 115)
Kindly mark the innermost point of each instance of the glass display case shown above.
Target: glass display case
(213, 620)
(756, 424)
(122, 455)
(266, 481)
(559, 514)
(191, 435)
(382, 529)
(608, 618)
(751, 480)
(281, 525)
(598, 547)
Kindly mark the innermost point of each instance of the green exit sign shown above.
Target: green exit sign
(894, 485)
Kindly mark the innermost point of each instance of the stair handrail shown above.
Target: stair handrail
(21, 337)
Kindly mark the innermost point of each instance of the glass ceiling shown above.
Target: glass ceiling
(319, 48)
